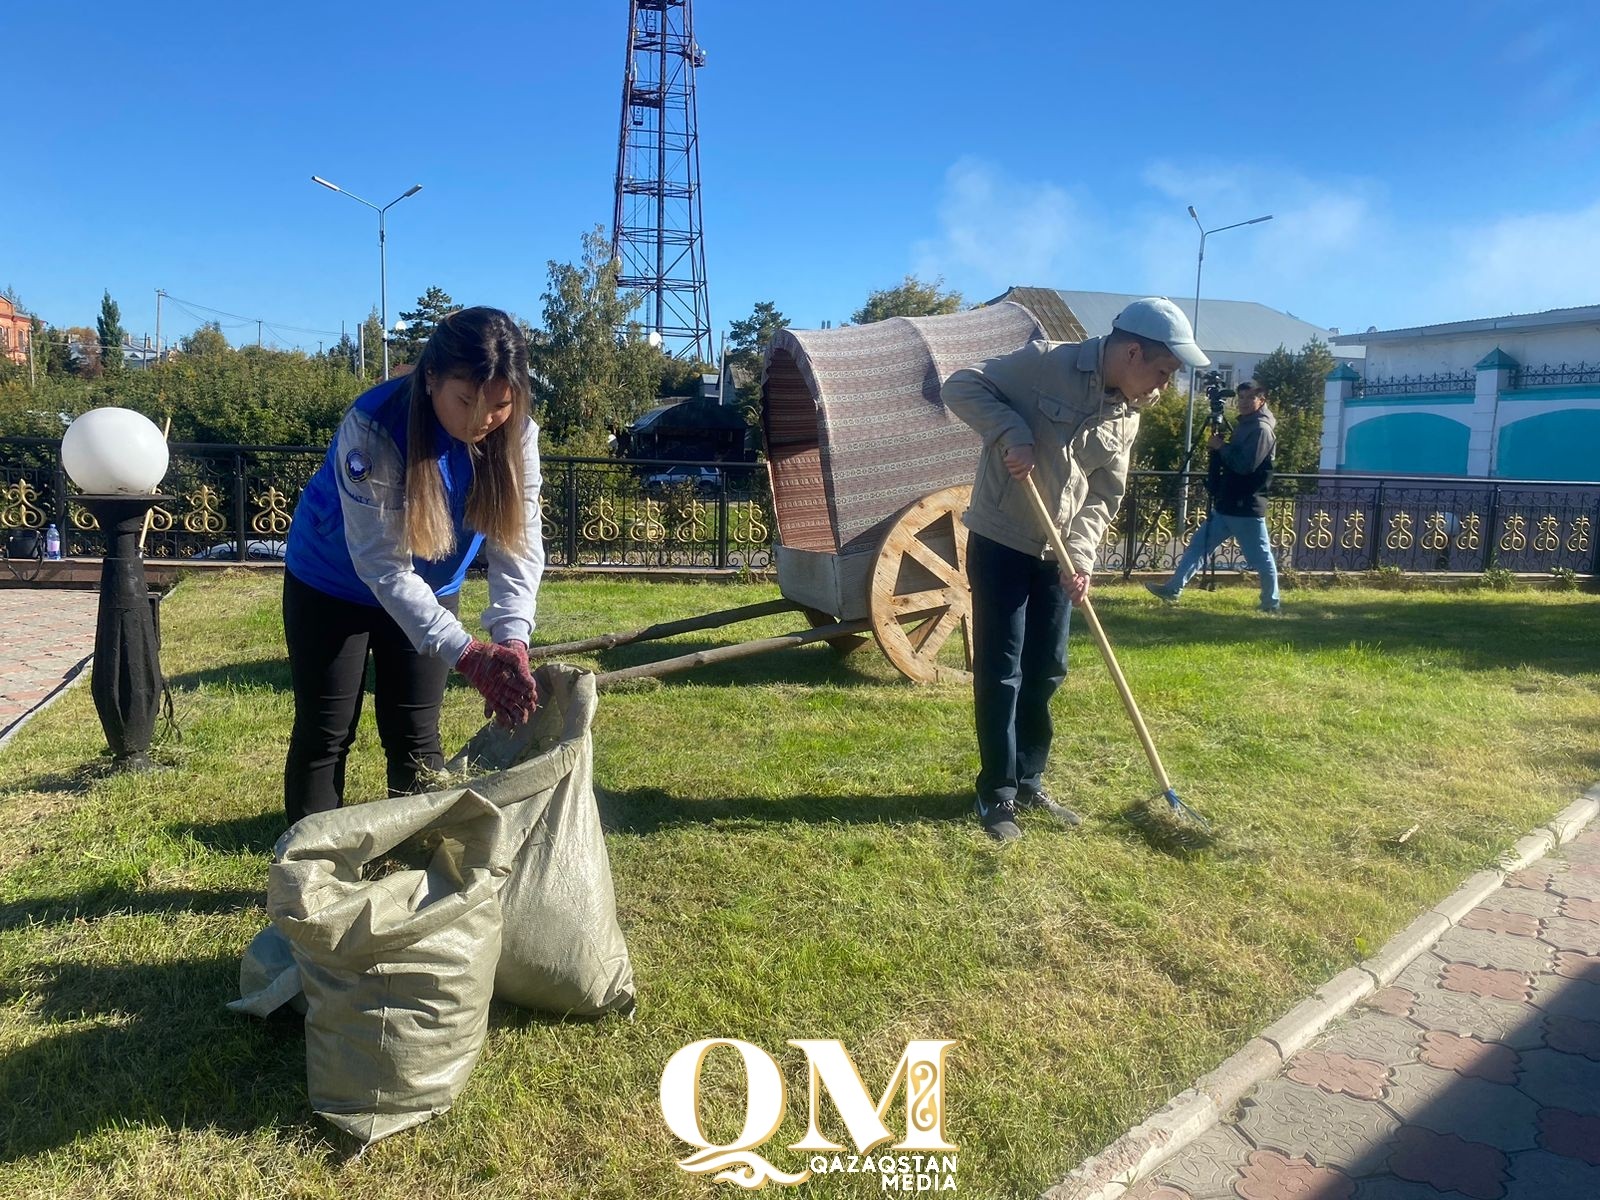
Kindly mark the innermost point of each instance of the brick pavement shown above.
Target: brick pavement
(48, 634)
(1475, 1074)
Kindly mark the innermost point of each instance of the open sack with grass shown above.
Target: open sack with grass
(404, 916)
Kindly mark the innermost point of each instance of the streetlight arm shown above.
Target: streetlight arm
(383, 266)
(1236, 224)
(412, 191)
(336, 188)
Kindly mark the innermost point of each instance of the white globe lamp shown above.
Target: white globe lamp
(114, 451)
(118, 457)
(654, 338)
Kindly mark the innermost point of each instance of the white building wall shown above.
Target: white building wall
(1453, 355)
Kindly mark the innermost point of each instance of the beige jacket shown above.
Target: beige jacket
(1048, 395)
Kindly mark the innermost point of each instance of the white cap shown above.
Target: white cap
(1160, 320)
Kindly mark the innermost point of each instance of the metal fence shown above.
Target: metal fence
(1323, 523)
(596, 511)
(608, 512)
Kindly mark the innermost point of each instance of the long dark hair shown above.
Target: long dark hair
(479, 345)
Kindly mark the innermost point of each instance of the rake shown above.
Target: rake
(1190, 829)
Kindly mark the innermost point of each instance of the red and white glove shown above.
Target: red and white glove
(502, 677)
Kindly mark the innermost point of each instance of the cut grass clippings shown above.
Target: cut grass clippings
(794, 857)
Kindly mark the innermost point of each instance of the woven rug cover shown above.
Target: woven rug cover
(886, 440)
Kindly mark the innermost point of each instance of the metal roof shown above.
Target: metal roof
(1226, 326)
(1586, 315)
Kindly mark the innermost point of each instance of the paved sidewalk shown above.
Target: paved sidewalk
(1475, 1074)
(49, 633)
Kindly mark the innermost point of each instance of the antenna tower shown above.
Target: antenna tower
(656, 232)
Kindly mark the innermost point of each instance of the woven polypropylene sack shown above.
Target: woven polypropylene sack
(268, 976)
(393, 914)
(563, 950)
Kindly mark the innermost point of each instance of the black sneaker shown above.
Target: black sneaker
(999, 819)
(1041, 801)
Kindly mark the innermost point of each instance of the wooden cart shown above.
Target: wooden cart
(870, 475)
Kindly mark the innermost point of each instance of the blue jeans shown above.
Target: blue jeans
(1250, 533)
(1020, 618)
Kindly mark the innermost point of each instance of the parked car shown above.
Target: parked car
(703, 479)
(254, 551)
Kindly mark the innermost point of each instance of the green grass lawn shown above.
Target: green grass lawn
(794, 857)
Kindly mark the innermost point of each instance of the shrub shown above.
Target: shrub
(1563, 579)
(1500, 579)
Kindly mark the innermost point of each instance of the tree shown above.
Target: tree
(346, 353)
(910, 298)
(748, 340)
(36, 343)
(1159, 446)
(681, 376)
(52, 350)
(433, 306)
(750, 337)
(371, 344)
(206, 342)
(1294, 383)
(112, 335)
(83, 350)
(592, 368)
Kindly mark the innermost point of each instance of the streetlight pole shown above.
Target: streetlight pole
(383, 265)
(1188, 413)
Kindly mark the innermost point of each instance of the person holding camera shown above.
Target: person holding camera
(1239, 474)
(1065, 413)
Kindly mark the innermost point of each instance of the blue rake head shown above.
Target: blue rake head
(1184, 813)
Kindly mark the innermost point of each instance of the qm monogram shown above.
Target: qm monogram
(924, 1160)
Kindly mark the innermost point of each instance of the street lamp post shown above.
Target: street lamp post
(118, 457)
(383, 266)
(1188, 412)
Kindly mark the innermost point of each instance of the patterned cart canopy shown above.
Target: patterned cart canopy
(855, 427)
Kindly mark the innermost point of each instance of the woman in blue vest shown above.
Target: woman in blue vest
(424, 470)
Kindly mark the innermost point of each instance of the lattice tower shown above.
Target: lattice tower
(656, 233)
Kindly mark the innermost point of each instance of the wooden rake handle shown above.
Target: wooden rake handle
(1100, 638)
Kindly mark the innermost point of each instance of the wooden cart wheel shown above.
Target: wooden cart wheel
(919, 588)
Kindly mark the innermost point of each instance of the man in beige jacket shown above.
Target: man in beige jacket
(1065, 413)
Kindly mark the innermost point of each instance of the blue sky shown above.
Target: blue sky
(1424, 162)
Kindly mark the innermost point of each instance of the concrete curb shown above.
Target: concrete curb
(1189, 1114)
(68, 681)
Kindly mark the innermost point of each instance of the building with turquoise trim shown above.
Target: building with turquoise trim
(1515, 397)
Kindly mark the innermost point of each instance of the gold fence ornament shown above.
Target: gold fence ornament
(275, 514)
(1355, 529)
(203, 516)
(1399, 532)
(1319, 531)
(1578, 540)
(17, 507)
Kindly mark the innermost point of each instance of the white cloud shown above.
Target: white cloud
(1336, 252)
(1522, 263)
(995, 231)
(1317, 226)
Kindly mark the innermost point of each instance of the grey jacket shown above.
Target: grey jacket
(1049, 395)
(1242, 470)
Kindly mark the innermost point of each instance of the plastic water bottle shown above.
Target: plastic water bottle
(52, 542)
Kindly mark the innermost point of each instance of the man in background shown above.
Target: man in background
(1238, 478)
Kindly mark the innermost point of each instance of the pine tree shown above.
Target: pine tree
(112, 335)
(433, 306)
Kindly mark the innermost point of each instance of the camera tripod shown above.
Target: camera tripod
(1217, 424)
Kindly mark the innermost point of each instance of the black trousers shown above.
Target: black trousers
(1020, 619)
(329, 640)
